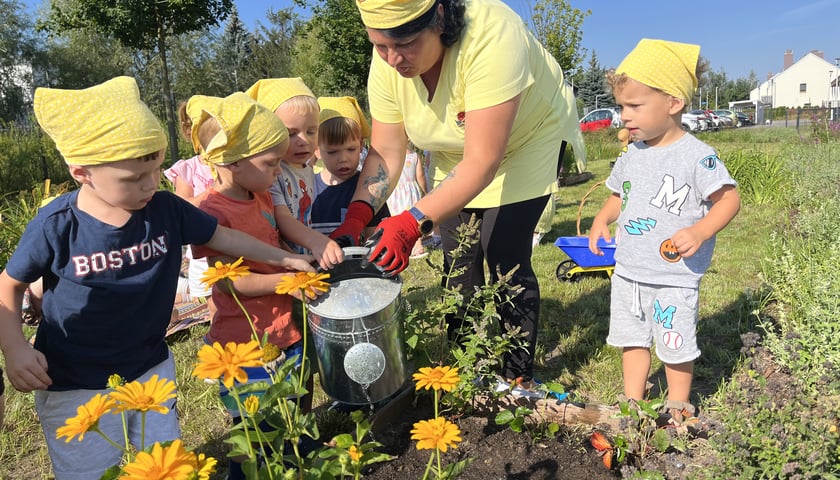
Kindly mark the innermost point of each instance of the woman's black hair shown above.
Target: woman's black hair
(453, 23)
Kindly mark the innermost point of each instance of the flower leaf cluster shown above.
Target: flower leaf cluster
(161, 460)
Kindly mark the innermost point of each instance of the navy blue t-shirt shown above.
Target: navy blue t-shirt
(331, 203)
(108, 291)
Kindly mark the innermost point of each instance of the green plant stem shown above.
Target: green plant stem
(143, 431)
(108, 439)
(242, 307)
(250, 442)
(428, 466)
(125, 430)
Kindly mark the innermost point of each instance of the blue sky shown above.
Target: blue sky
(734, 35)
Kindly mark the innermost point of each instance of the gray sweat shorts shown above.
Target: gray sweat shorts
(644, 314)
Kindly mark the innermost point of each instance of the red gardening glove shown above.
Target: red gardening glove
(359, 214)
(391, 243)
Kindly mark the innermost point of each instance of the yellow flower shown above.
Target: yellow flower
(87, 417)
(144, 397)
(224, 270)
(115, 381)
(306, 282)
(216, 361)
(438, 378)
(252, 404)
(355, 453)
(437, 433)
(205, 466)
(163, 463)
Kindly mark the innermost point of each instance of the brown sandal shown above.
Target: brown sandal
(679, 411)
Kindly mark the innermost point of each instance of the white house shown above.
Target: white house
(810, 82)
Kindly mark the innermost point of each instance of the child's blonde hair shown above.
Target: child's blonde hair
(300, 105)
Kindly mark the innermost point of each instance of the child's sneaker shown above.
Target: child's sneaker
(520, 388)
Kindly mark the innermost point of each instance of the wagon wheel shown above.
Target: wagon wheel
(563, 270)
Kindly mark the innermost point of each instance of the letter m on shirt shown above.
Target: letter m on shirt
(667, 196)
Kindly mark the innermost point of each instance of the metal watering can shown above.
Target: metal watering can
(358, 332)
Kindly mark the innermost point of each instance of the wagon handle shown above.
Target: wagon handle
(583, 200)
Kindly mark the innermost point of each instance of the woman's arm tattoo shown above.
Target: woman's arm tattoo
(377, 188)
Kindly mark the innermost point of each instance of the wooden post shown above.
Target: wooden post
(550, 410)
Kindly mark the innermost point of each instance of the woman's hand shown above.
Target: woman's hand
(391, 244)
(349, 233)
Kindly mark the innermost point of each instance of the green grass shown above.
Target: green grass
(574, 318)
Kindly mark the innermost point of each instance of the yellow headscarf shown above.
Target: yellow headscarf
(247, 127)
(385, 14)
(346, 107)
(272, 92)
(101, 124)
(668, 66)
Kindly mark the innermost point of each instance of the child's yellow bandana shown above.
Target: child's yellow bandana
(385, 14)
(347, 107)
(272, 92)
(101, 124)
(667, 66)
(247, 127)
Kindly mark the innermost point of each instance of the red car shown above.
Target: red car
(601, 118)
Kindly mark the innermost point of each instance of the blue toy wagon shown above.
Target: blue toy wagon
(581, 260)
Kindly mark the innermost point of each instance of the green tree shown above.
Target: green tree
(79, 59)
(558, 27)
(272, 47)
(592, 86)
(142, 25)
(233, 53)
(16, 48)
(334, 50)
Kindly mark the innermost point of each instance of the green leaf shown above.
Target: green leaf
(504, 417)
(554, 387)
(344, 440)
(112, 473)
(523, 411)
(454, 470)
(661, 441)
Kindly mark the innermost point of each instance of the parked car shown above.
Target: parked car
(716, 121)
(692, 122)
(728, 114)
(744, 120)
(705, 119)
(601, 118)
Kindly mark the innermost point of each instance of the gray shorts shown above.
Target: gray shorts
(643, 314)
(89, 458)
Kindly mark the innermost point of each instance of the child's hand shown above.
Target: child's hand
(598, 230)
(27, 368)
(687, 241)
(328, 253)
(294, 261)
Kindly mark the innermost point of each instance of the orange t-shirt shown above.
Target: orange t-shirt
(270, 313)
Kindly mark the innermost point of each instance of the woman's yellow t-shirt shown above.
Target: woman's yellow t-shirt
(495, 60)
